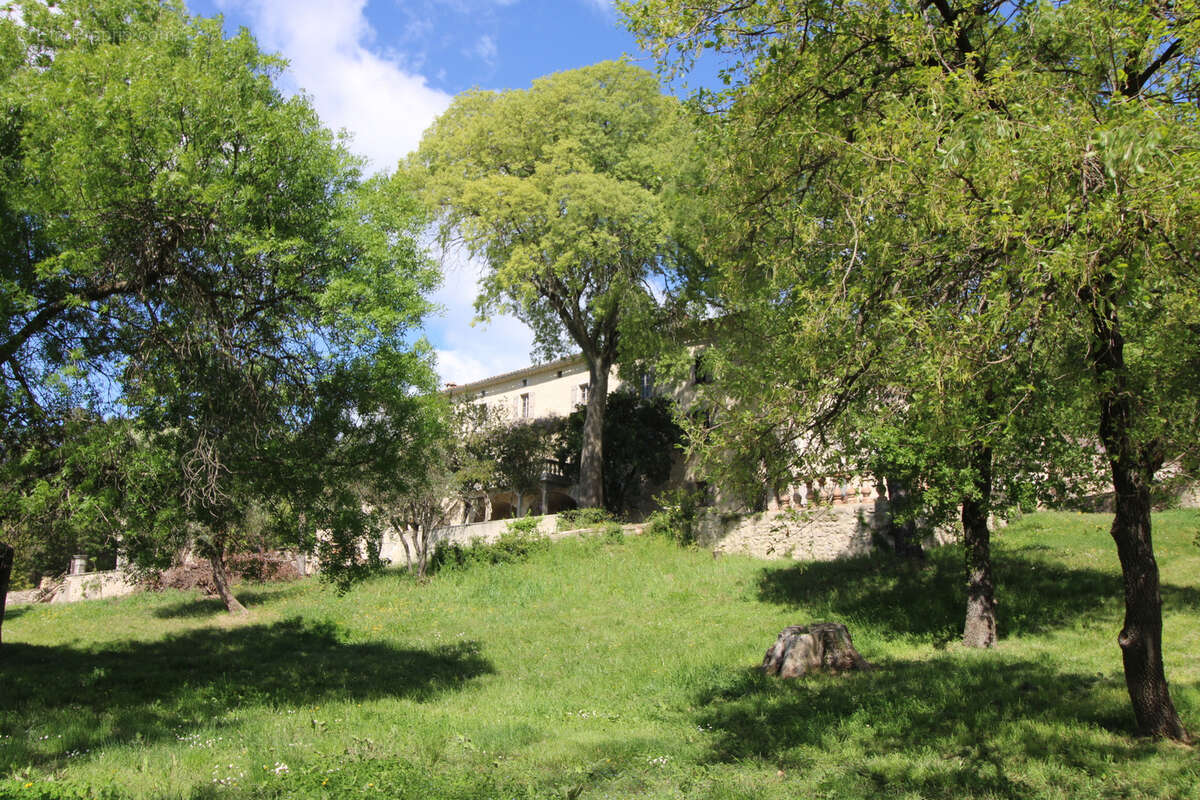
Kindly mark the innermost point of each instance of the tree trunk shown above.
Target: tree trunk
(1141, 634)
(1133, 469)
(979, 629)
(421, 543)
(408, 561)
(221, 580)
(6, 562)
(904, 535)
(591, 457)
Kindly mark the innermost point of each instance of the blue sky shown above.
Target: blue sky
(382, 70)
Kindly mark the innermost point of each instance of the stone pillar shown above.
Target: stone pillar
(78, 565)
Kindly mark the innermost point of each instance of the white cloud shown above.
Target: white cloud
(485, 49)
(385, 106)
(468, 352)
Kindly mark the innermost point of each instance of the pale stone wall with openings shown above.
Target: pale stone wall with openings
(544, 390)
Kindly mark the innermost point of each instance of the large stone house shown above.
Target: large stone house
(554, 389)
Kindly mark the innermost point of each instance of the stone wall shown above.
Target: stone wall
(824, 532)
(816, 533)
(81, 586)
(392, 550)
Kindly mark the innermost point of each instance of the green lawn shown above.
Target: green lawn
(601, 668)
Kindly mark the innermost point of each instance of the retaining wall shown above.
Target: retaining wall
(81, 586)
(818, 533)
(814, 533)
(490, 531)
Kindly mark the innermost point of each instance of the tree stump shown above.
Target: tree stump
(801, 649)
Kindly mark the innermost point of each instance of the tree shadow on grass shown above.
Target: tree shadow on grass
(82, 698)
(207, 606)
(928, 601)
(948, 727)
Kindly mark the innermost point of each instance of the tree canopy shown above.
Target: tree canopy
(565, 190)
(988, 205)
(192, 251)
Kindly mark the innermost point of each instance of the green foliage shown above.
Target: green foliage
(447, 461)
(598, 519)
(518, 451)
(207, 273)
(612, 533)
(925, 241)
(642, 441)
(561, 188)
(970, 222)
(518, 543)
(524, 526)
(575, 518)
(677, 516)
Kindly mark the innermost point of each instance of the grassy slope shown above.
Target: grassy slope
(610, 669)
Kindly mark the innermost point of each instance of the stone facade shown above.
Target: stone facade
(542, 390)
(816, 533)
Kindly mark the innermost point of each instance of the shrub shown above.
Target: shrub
(525, 526)
(676, 520)
(612, 532)
(583, 518)
(514, 545)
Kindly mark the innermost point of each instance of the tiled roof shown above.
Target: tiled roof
(518, 373)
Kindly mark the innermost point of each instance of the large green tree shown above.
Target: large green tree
(192, 251)
(990, 193)
(642, 443)
(565, 190)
